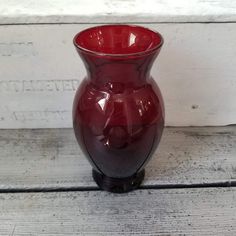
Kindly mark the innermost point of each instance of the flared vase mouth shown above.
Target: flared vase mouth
(118, 40)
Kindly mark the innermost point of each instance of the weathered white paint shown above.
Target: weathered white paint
(197, 212)
(40, 70)
(89, 11)
(51, 158)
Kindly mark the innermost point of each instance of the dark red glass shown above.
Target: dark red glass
(118, 111)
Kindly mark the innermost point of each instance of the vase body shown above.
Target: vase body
(118, 111)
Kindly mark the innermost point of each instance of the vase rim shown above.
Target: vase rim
(148, 51)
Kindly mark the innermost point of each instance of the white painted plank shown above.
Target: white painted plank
(40, 70)
(210, 211)
(88, 11)
(51, 158)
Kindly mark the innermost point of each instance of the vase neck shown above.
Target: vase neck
(125, 70)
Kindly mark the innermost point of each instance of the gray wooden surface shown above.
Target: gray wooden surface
(51, 158)
(188, 190)
(207, 211)
(107, 11)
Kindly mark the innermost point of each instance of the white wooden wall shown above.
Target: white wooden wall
(40, 70)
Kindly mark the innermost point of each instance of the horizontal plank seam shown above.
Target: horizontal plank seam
(200, 185)
(49, 189)
(146, 187)
(166, 127)
(127, 22)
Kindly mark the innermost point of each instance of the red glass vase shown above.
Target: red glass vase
(118, 111)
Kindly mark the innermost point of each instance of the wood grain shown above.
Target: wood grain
(51, 158)
(107, 11)
(195, 72)
(209, 211)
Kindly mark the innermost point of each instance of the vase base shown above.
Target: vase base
(118, 185)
